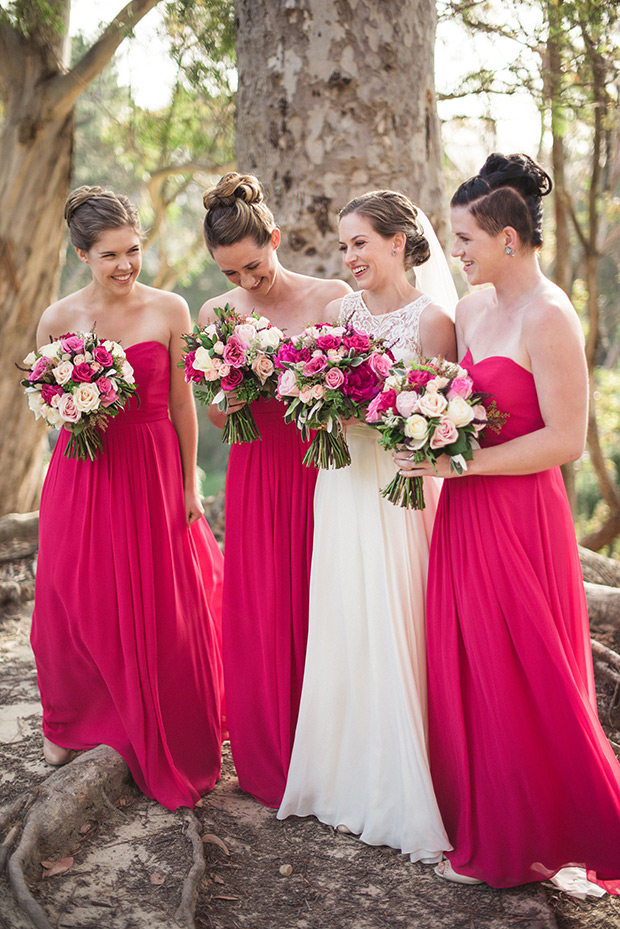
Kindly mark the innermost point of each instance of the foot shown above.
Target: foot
(344, 829)
(54, 754)
(444, 869)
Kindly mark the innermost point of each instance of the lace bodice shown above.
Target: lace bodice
(401, 328)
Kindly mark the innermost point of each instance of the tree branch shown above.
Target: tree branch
(66, 88)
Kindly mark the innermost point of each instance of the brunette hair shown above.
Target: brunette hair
(236, 209)
(507, 191)
(91, 211)
(389, 212)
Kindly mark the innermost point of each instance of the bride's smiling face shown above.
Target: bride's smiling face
(368, 255)
(248, 265)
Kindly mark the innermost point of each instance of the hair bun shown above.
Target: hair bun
(233, 187)
(79, 196)
(518, 171)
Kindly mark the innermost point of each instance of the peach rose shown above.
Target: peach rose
(262, 366)
(62, 373)
(86, 397)
(432, 404)
(305, 395)
(436, 383)
(317, 392)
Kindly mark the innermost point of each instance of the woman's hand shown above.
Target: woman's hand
(194, 509)
(408, 468)
(217, 416)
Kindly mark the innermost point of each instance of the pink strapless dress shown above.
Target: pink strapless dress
(526, 780)
(269, 526)
(127, 621)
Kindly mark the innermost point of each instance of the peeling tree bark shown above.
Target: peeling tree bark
(36, 147)
(336, 98)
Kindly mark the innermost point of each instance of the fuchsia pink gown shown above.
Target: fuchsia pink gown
(269, 526)
(525, 779)
(126, 627)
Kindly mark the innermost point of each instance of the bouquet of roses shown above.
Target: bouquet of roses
(79, 382)
(233, 353)
(330, 373)
(432, 409)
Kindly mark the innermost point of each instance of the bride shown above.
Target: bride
(360, 756)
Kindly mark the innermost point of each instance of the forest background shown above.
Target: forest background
(190, 93)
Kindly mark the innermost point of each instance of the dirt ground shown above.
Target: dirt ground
(130, 865)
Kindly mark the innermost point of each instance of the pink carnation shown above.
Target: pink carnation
(381, 404)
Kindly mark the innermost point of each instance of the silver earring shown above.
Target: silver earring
(508, 250)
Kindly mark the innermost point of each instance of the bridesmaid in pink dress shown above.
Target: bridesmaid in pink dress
(526, 781)
(127, 621)
(269, 500)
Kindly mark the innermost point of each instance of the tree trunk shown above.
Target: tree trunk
(335, 100)
(36, 148)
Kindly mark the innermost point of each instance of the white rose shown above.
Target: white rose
(35, 402)
(53, 350)
(261, 323)
(269, 338)
(62, 373)
(432, 404)
(416, 428)
(114, 349)
(52, 415)
(211, 331)
(394, 382)
(460, 412)
(203, 360)
(86, 397)
(127, 372)
(436, 383)
(30, 359)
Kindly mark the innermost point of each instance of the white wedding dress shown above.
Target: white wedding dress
(360, 754)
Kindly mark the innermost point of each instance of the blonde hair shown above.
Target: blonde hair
(91, 211)
(236, 209)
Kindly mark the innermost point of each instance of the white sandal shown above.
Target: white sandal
(444, 869)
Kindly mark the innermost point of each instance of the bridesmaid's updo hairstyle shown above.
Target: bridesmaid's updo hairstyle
(507, 191)
(389, 212)
(91, 211)
(236, 210)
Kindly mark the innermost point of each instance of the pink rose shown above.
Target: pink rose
(103, 356)
(82, 373)
(419, 377)
(316, 364)
(361, 383)
(234, 353)
(245, 333)
(317, 392)
(72, 344)
(327, 342)
(107, 390)
(445, 433)
(288, 353)
(191, 374)
(357, 340)
(381, 404)
(406, 402)
(262, 366)
(381, 364)
(39, 370)
(305, 395)
(334, 378)
(232, 379)
(68, 410)
(287, 384)
(480, 417)
(49, 391)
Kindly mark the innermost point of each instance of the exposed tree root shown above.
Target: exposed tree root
(45, 823)
(597, 569)
(603, 604)
(189, 897)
